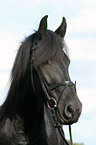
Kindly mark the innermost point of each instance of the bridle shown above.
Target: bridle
(52, 104)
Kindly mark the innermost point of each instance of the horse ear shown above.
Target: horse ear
(62, 28)
(43, 26)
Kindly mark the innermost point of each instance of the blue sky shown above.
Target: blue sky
(19, 18)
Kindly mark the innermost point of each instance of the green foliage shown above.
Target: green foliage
(77, 143)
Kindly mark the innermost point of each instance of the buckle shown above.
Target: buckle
(51, 103)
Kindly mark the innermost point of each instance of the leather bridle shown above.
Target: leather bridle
(52, 104)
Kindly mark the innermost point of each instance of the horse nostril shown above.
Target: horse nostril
(70, 109)
(68, 112)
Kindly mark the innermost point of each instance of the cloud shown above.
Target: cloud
(83, 21)
(4, 85)
(90, 2)
(8, 47)
(4, 78)
(84, 130)
(88, 99)
(83, 49)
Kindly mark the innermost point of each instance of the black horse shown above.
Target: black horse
(41, 97)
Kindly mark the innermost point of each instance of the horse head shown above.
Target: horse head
(50, 60)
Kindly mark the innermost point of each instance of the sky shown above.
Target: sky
(19, 19)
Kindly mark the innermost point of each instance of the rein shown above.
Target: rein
(52, 104)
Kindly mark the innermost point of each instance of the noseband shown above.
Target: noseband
(52, 104)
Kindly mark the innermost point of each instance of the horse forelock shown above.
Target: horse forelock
(50, 47)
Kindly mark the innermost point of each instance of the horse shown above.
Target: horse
(41, 98)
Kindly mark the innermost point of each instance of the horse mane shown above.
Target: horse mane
(51, 46)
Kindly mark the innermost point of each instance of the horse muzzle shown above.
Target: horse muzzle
(70, 114)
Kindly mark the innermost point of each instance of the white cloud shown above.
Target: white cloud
(4, 85)
(84, 130)
(88, 99)
(90, 2)
(8, 47)
(4, 79)
(83, 21)
(82, 49)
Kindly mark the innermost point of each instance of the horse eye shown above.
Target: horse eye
(47, 62)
